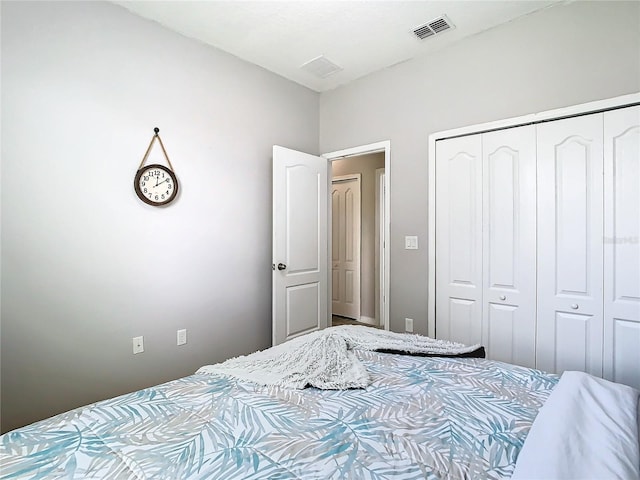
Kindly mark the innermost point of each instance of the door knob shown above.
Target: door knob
(574, 306)
(503, 297)
(281, 266)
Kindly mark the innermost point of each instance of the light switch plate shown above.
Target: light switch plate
(408, 324)
(138, 345)
(182, 336)
(411, 242)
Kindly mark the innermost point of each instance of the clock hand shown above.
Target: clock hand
(165, 180)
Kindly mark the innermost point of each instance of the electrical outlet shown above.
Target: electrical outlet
(138, 345)
(408, 324)
(182, 336)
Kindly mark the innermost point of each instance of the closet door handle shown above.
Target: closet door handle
(574, 306)
(503, 297)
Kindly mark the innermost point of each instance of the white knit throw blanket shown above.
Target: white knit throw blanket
(325, 359)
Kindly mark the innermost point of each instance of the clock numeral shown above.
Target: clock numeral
(169, 186)
(162, 196)
(156, 197)
(146, 179)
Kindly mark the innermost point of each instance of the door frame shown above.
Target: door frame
(379, 242)
(383, 146)
(357, 178)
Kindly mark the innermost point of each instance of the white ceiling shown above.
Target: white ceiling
(359, 36)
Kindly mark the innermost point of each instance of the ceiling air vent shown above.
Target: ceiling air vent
(429, 29)
(321, 67)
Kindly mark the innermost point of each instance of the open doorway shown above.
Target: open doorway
(358, 286)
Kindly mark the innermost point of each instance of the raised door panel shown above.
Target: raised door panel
(463, 319)
(622, 348)
(459, 239)
(622, 246)
(570, 242)
(335, 245)
(509, 244)
(302, 234)
(573, 333)
(302, 304)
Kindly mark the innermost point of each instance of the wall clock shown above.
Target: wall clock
(156, 184)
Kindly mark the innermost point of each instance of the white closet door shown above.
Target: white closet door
(459, 239)
(622, 246)
(570, 243)
(509, 244)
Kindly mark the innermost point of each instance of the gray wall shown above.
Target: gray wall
(569, 54)
(365, 165)
(85, 264)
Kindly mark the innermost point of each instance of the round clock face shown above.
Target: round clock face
(155, 185)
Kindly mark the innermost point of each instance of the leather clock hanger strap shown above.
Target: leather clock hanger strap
(153, 139)
(164, 151)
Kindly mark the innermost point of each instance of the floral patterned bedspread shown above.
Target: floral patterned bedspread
(420, 418)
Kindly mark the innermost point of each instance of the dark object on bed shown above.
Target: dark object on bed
(477, 353)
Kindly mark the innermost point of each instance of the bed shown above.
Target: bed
(420, 417)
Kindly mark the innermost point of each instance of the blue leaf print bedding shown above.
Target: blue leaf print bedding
(421, 417)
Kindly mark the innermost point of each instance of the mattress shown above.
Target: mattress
(421, 417)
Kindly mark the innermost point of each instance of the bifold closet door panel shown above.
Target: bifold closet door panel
(570, 245)
(459, 239)
(622, 246)
(509, 245)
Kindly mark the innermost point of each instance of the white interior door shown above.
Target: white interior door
(345, 245)
(622, 246)
(459, 239)
(299, 286)
(509, 245)
(570, 245)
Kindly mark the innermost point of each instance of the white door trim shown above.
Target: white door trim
(357, 242)
(383, 146)
(591, 107)
(379, 242)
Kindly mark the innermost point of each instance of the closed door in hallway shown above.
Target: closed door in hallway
(345, 201)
